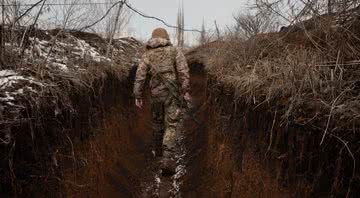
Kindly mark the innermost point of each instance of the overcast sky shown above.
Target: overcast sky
(195, 12)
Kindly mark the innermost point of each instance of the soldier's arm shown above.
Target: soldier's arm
(140, 78)
(183, 71)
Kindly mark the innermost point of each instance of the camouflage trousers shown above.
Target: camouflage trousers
(166, 122)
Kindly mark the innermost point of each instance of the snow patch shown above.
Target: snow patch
(4, 73)
(60, 66)
(7, 97)
(59, 53)
(13, 85)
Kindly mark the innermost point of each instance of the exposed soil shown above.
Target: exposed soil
(215, 164)
(225, 152)
(115, 158)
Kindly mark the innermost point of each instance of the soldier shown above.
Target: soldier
(170, 86)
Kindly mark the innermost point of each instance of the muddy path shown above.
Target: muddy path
(154, 183)
(223, 152)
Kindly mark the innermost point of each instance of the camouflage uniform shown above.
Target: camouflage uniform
(169, 72)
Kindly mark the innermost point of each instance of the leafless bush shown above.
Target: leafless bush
(250, 24)
(207, 36)
(308, 72)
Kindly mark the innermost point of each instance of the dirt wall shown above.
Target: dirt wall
(233, 150)
(96, 150)
(251, 152)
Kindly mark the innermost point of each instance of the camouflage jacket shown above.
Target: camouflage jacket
(162, 62)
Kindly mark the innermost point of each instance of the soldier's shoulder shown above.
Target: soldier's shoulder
(175, 48)
(172, 49)
(149, 53)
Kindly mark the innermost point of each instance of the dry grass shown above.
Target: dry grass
(56, 85)
(308, 78)
(301, 74)
(44, 102)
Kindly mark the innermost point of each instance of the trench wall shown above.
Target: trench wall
(248, 152)
(96, 150)
(234, 150)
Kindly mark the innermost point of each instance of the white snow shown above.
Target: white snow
(4, 73)
(8, 78)
(7, 97)
(60, 66)
(58, 53)
(65, 54)
(84, 50)
(12, 85)
(181, 167)
(19, 91)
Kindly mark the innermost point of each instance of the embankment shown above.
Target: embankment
(96, 150)
(243, 151)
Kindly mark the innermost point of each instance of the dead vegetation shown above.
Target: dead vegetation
(311, 73)
(42, 87)
(53, 64)
(307, 75)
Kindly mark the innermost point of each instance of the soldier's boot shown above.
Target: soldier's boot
(157, 110)
(158, 144)
(168, 162)
(168, 165)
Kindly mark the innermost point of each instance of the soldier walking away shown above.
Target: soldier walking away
(169, 83)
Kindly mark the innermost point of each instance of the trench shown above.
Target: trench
(213, 161)
(224, 144)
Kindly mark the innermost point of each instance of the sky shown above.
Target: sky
(195, 12)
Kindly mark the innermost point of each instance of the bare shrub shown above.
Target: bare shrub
(307, 73)
(309, 69)
(250, 24)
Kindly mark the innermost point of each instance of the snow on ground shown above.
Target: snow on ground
(13, 84)
(180, 168)
(65, 54)
(62, 54)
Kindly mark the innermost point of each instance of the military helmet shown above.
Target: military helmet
(160, 33)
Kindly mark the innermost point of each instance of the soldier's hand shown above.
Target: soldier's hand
(187, 97)
(188, 100)
(139, 103)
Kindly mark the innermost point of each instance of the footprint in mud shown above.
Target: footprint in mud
(156, 185)
(159, 185)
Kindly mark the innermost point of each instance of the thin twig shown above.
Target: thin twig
(271, 132)
(158, 19)
(27, 11)
(330, 115)
(103, 17)
(354, 162)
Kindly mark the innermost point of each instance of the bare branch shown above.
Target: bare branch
(158, 19)
(27, 11)
(103, 17)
